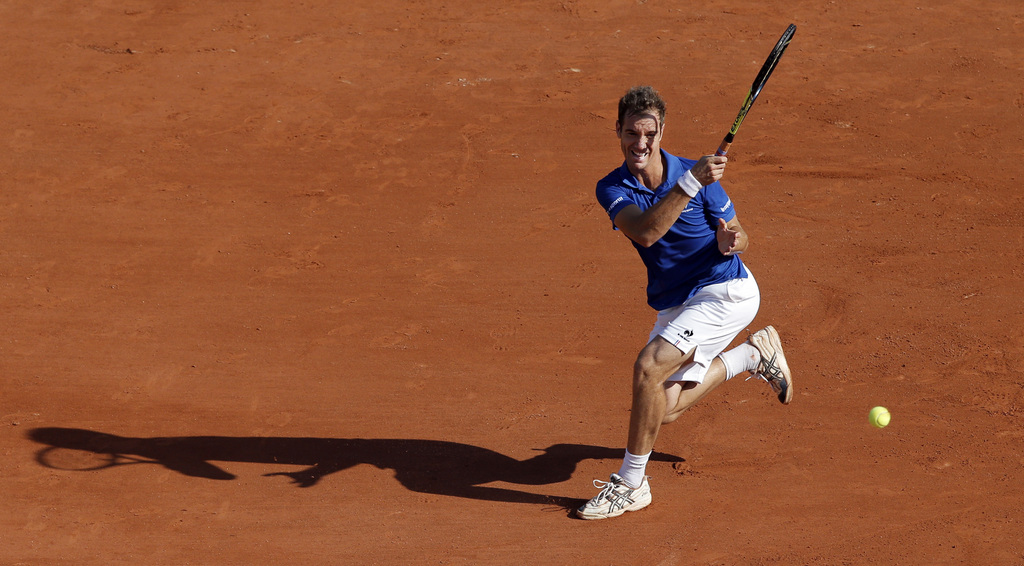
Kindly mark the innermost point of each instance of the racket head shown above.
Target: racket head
(771, 62)
(755, 88)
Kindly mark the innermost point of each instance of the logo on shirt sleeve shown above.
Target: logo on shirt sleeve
(612, 205)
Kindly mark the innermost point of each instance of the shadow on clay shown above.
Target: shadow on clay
(426, 466)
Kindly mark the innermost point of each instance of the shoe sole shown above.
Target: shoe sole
(636, 506)
(780, 358)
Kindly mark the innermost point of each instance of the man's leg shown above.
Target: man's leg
(653, 403)
(681, 395)
(628, 490)
(761, 354)
(655, 364)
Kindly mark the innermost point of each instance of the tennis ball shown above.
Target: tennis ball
(879, 417)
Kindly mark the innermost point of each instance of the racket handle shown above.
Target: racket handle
(726, 142)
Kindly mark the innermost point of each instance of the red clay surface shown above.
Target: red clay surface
(330, 277)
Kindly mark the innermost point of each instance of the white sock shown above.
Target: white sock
(740, 359)
(633, 468)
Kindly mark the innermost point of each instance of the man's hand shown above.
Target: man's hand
(709, 169)
(728, 239)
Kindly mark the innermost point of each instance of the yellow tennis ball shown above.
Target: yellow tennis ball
(879, 417)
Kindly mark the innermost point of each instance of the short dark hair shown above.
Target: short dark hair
(640, 99)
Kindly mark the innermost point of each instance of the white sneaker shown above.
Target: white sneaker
(615, 499)
(773, 368)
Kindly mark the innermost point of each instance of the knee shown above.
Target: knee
(647, 374)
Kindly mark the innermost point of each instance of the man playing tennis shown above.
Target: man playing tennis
(685, 228)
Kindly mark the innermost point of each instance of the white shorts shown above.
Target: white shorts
(707, 323)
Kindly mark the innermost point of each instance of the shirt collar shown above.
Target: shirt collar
(672, 174)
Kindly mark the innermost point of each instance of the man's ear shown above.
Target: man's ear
(618, 128)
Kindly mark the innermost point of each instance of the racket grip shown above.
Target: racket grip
(726, 143)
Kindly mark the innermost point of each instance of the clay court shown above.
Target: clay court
(326, 282)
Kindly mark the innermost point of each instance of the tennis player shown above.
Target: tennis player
(685, 228)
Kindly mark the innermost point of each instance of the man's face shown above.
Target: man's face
(640, 138)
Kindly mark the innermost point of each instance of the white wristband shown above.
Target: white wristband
(690, 185)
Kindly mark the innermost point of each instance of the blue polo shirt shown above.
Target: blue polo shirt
(685, 259)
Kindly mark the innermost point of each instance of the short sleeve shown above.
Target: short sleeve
(613, 198)
(717, 203)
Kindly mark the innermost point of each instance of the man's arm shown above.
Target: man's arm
(645, 227)
(648, 226)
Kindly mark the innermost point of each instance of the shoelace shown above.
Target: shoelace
(616, 499)
(605, 487)
(773, 370)
(775, 384)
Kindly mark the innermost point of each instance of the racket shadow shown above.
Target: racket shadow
(427, 466)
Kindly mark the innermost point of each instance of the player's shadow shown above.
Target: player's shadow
(425, 466)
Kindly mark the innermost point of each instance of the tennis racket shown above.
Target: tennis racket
(755, 88)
